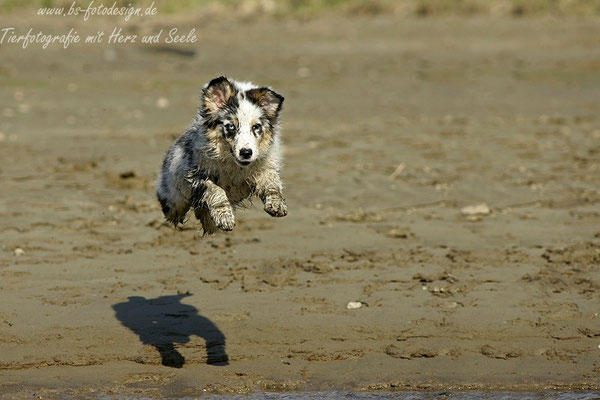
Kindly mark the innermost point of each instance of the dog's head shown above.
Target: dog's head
(240, 120)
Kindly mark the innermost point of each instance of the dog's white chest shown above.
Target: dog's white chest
(236, 187)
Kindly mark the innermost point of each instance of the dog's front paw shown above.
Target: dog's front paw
(223, 217)
(275, 206)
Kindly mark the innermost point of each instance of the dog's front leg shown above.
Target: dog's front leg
(270, 190)
(215, 199)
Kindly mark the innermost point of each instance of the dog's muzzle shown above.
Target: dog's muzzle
(241, 163)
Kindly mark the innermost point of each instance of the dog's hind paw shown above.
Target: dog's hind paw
(223, 217)
(275, 206)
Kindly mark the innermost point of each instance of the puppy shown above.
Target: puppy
(230, 153)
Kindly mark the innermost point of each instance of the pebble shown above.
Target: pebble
(476, 209)
(398, 234)
(19, 251)
(354, 304)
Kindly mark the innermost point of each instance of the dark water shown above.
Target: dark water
(399, 395)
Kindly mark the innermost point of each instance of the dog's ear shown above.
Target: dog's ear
(217, 93)
(268, 100)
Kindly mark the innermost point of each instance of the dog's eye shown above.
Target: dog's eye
(257, 128)
(229, 128)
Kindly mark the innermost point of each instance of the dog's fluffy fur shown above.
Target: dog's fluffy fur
(229, 153)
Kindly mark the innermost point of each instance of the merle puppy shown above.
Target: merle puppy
(229, 153)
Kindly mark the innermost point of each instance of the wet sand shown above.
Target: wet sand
(391, 128)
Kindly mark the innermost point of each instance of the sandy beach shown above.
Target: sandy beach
(443, 173)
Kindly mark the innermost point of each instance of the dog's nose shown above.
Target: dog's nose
(246, 153)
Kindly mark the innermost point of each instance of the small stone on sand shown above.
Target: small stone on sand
(477, 209)
(354, 304)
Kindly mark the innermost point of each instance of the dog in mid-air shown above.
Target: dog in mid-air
(229, 154)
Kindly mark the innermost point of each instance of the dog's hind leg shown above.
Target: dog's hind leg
(174, 211)
(172, 187)
(208, 225)
(174, 204)
(198, 184)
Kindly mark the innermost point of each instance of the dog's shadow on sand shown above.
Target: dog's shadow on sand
(163, 321)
